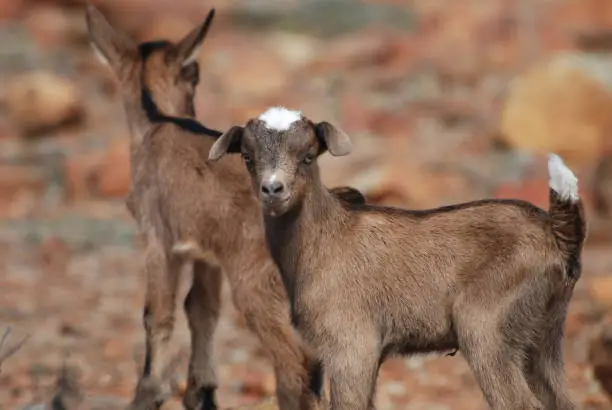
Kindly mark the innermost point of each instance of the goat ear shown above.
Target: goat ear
(227, 143)
(109, 45)
(333, 139)
(189, 46)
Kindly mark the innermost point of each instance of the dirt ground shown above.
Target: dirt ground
(83, 307)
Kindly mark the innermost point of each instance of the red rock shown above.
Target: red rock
(535, 191)
(114, 174)
(602, 187)
(52, 26)
(393, 124)
(10, 9)
(115, 348)
(266, 74)
(581, 14)
(600, 289)
(600, 356)
(254, 385)
(80, 172)
(172, 404)
(368, 48)
(267, 404)
(20, 186)
(166, 26)
(356, 115)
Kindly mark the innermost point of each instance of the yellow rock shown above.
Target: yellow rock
(600, 289)
(39, 101)
(562, 105)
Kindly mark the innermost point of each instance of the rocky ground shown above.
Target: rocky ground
(445, 101)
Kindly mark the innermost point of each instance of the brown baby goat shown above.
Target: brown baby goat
(188, 209)
(492, 278)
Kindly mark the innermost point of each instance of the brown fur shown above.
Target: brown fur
(190, 210)
(492, 278)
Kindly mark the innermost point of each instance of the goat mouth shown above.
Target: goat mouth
(276, 207)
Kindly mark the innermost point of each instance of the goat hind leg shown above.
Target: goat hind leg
(162, 276)
(545, 371)
(202, 306)
(499, 372)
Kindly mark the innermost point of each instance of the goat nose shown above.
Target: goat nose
(272, 188)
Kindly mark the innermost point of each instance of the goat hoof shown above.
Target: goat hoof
(200, 399)
(149, 395)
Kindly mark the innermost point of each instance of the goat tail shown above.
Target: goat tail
(190, 249)
(567, 213)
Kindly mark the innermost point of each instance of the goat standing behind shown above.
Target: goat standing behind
(492, 278)
(189, 209)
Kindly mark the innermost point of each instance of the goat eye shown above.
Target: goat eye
(246, 158)
(308, 159)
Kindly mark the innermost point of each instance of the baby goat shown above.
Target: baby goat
(189, 209)
(492, 278)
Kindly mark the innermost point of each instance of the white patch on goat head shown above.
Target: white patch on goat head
(280, 118)
(562, 179)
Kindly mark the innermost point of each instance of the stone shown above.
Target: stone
(562, 105)
(254, 385)
(10, 9)
(602, 186)
(600, 289)
(52, 26)
(80, 173)
(362, 50)
(268, 404)
(40, 101)
(113, 179)
(169, 27)
(535, 191)
(172, 404)
(600, 356)
(20, 186)
(267, 73)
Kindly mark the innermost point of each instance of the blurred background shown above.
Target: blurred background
(445, 100)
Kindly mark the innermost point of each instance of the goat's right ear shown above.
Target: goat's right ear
(189, 46)
(227, 143)
(109, 45)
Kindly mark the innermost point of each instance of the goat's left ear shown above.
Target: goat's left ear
(110, 46)
(187, 49)
(227, 143)
(333, 139)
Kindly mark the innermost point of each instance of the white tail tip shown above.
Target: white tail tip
(562, 179)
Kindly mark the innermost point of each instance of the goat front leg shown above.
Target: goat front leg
(266, 310)
(202, 306)
(162, 275)
(352, 373)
